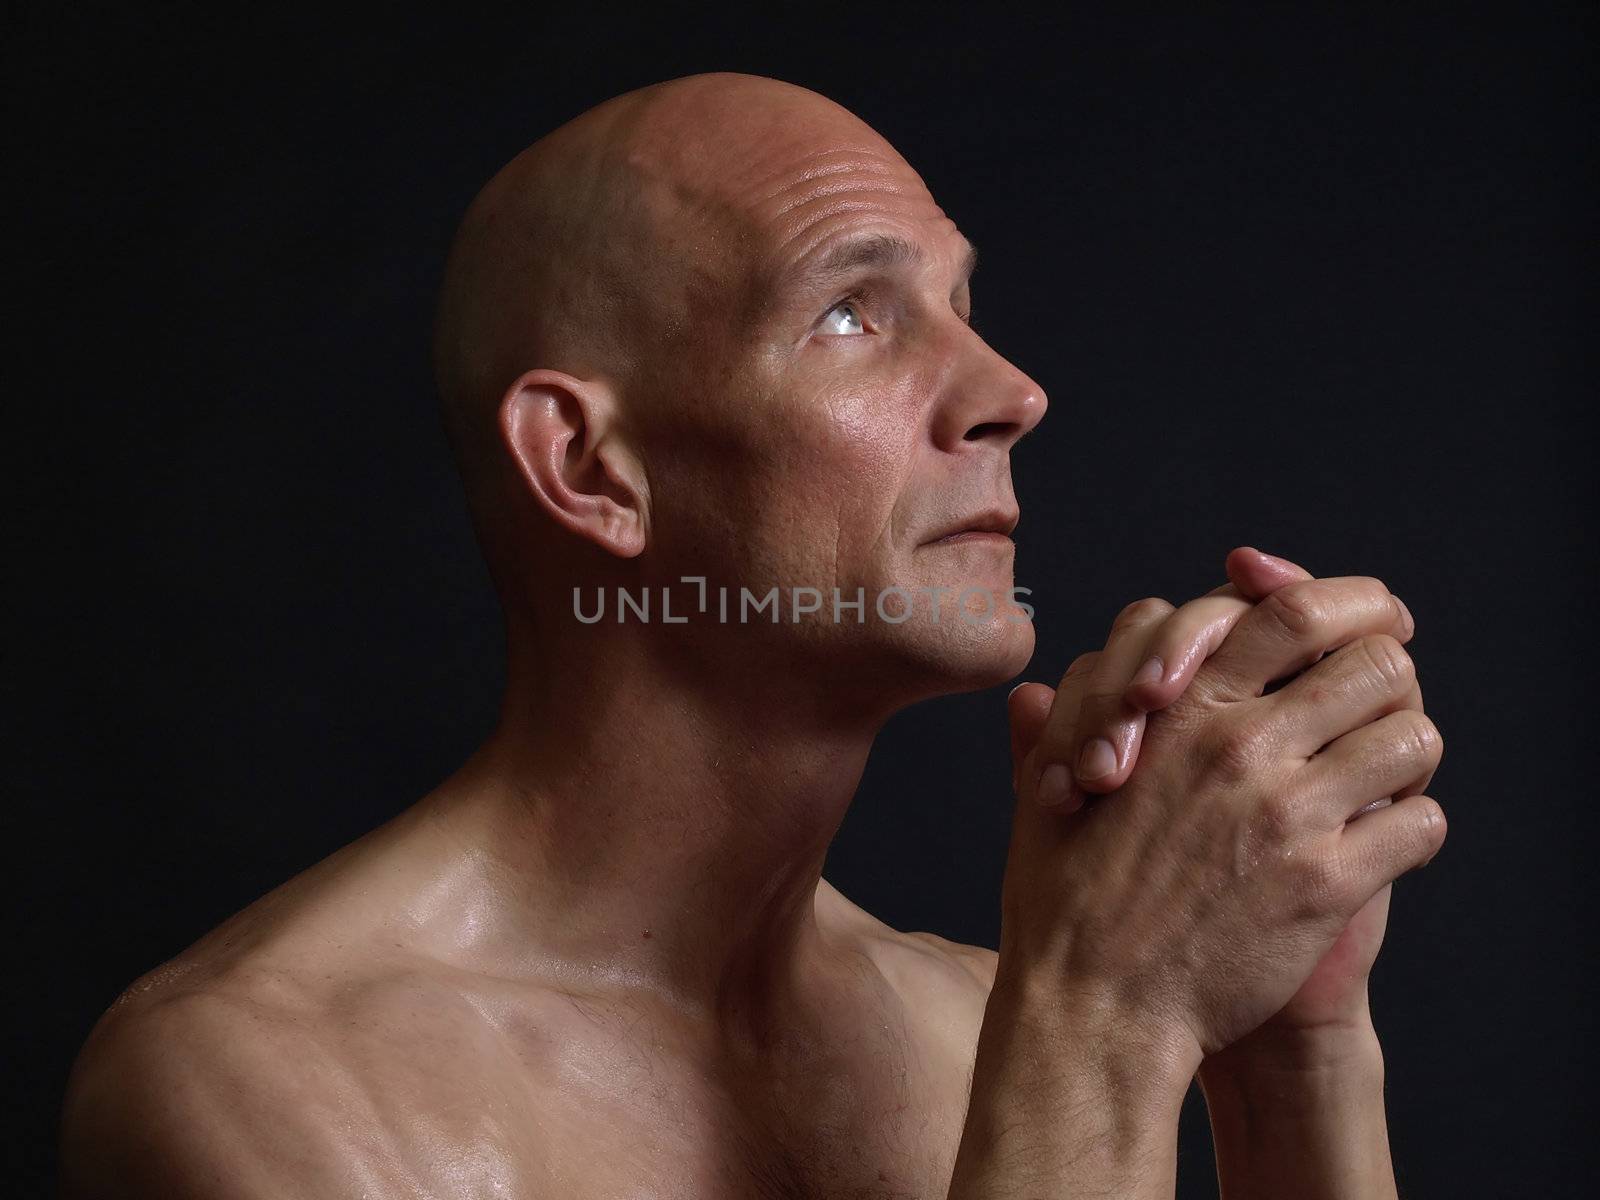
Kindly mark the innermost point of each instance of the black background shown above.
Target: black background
(1309, 278)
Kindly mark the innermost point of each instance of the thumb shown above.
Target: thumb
(1028, 708)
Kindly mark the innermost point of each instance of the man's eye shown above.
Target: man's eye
(847, 323)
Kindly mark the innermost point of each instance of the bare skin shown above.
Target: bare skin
(600, 959)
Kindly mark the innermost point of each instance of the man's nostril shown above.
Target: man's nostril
(987, 429)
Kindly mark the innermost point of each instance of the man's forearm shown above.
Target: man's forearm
(1066, 1104)
(1301, 1116)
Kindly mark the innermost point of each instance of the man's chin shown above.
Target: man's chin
(970, 657)
(1004, 658)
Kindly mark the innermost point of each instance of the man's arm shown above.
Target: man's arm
(1126, 1097)
(1052, 1106)
(1303, 1118)
(1064, 1102)
(1162, 925)
(1297, 1105)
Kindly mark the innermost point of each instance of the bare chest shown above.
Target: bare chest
(601, 1106)
(862, 1129)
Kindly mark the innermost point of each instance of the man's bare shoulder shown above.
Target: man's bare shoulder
(943, 984)
(923, 958)
(289, 1046)
(276, 1082)
(978, 961)
(172, 1089)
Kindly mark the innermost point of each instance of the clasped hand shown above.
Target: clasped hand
(1195, 856)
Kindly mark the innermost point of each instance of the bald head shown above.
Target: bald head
(722, 320)
(590, 250)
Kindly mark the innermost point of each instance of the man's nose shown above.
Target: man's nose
(992, 403)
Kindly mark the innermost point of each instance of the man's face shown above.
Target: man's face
(843, 420)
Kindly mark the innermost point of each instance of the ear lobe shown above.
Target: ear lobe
(556, 428)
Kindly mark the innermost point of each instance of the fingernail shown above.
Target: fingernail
(1151, 671)
(1055, 785)
(1097, 760)
(1405, 615)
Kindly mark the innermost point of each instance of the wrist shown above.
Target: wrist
(1071, 1090)
(1150, 1060)
(1300, 1112)
(1290, 1072)
(1346, 1047)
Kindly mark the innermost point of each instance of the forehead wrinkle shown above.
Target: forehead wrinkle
(743, 208)
(852, 251)
(832, 188)
(792, 175)
(800, 162)
(848, 254)
(812, 194)
(812, 232)
(810, 178)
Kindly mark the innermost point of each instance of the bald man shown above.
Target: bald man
(708, 344)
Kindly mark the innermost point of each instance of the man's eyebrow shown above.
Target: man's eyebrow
(872, 250)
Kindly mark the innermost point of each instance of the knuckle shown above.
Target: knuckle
(1302, 612)
(1142, 612)
(1388, 660)
(1372, 591)
(1423, 738)
(1099, 713)
(1237, 751)
(1322, 881)
(1084, 662)
(1430, 823)
(1276, 820)
(1053, 748)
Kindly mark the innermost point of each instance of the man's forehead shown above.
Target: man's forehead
(835, 205)
(865, 250)
(787, 190)
(831, 213)
(784, 240)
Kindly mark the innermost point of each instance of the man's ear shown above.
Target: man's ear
(560, 431)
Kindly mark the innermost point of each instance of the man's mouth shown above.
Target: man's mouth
(991, 525)
(972, 535)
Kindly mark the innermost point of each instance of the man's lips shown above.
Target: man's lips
(971, 535)
(993, 525)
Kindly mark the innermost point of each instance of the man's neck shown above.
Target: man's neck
(647, 832)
